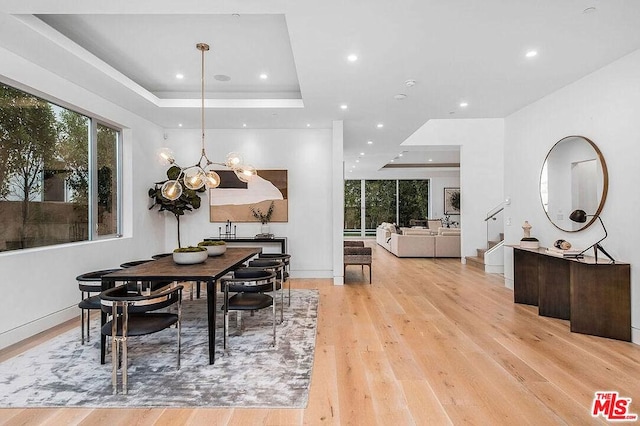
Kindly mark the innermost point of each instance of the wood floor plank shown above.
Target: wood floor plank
(430, 342)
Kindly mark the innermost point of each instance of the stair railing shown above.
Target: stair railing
(492, 222)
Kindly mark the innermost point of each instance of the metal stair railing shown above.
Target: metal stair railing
(492, 217)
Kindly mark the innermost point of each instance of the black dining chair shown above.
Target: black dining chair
(88, 283)
(276, 267)
(249, 289)
(160, 255)
(137, 315)
(283, 257)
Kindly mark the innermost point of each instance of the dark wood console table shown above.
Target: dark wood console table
(259, 241)
(594, 297)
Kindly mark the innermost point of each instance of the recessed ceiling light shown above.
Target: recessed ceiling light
(393, 161)
(221, 77)
(179, 124)
(410, 83)
(244, 124)
(400, 155)
(589, 10)
(263, 76)
(343, 106)
(235, 15)
(399, 96)
(463, 104)
(179, 76)
(357, 161)
(531, 54)
(369, 142)
(352, 58)
(379, 125)
(430, 160)
(308, 125)
(362, 153)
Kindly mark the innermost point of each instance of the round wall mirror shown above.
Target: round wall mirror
(574, 177)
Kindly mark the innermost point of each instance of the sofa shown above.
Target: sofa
(419, 242)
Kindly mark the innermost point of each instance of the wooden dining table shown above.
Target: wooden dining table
(165, 269)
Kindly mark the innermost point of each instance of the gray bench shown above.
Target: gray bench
(357, 256)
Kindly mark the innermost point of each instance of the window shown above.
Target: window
(396, 201)
(352, 206)
(51, 189)
(413, 200)
(380, 203)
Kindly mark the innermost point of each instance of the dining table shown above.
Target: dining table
(165, 269)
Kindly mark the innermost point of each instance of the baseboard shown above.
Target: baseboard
(311, 274)
(494, 269)
(508, 283)
(39, 325)
(338, 280)
(635, 335)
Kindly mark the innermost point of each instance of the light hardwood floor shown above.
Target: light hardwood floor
(430, 342)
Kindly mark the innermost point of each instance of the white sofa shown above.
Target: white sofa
(419, 242)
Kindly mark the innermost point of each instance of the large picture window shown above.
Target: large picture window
(396, 201)
(53, 188)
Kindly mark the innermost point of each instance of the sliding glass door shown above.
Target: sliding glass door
(368, 203)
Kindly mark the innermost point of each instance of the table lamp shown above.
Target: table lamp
(580, 216)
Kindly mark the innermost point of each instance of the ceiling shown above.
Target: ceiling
(455, 51)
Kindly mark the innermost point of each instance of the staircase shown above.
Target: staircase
(478, 261)
(491, 258)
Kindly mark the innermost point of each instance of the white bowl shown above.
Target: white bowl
(216, 250)
(189, 258)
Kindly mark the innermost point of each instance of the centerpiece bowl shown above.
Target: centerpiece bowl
(189, 255)
(214, 248)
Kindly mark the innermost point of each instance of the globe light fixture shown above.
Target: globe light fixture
(200, 174)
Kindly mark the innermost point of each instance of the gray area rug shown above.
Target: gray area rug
(62, 372)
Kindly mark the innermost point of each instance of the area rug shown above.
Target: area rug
(62, 372)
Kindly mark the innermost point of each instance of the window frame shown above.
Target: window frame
(92, 208)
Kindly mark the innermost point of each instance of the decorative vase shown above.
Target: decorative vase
(265, 228)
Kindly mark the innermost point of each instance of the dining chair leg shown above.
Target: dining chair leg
(274, 321)
(82, 325)
(281, 298)
(179, 327)
(115, 349)
(125, 332)
(289, 289)
(225, 316)
(88, 326)
(124, 366)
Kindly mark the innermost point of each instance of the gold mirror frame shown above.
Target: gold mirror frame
(602, 195)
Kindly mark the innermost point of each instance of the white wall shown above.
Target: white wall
(604, 107)
(305, 153)
(39, 284)
(481, 144)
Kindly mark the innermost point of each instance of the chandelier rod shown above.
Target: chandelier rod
(203, 47)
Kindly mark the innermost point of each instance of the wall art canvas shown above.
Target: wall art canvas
(234, 199)
(452, 201)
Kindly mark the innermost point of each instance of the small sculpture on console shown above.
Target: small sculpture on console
(528, 241)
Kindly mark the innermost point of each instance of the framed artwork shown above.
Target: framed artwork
(452, 201)
(234, 199)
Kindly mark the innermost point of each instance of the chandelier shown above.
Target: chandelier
(200, 174)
